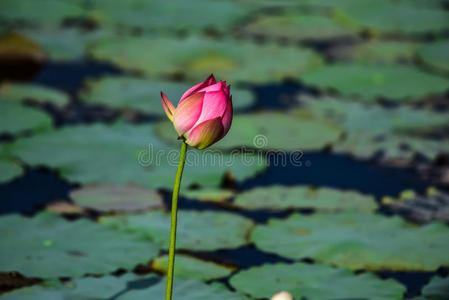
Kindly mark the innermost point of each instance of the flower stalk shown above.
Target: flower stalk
(203, 117)
(174, 219)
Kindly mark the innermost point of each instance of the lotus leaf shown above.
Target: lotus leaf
(126, 154)
(237, 61)
(126, 287)
(17, 118)
(204, 231)
(106, 198)
(162, 16)
(298, 26)
(47, 246)
(393, 17)
(39, 94)
(357, 241)
(47, 13)
(314, 282)
(436, 55)
(9, 170)
(304, 197)
(369, 81)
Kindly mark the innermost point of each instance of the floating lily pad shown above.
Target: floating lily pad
(126, 287)
(37, 93)
(123, 154)
(144, 95)
(159, 15)
(304, 197)
(437, 289)
(377, 51)
(420, 209)
(196, 230)
(188, 267)
(357, 241)
(352, 116)
(298, 26)
(125, 198)
(9, 170)
(369, 81)
(196, 58)
(39, 13)
(392, 147)
(314, 282)
(424, 3)
(209, 195)
(400, 133)
(436, 55)
(15, 47)
(17, 118)
(280, 131)
(271, 130)
(66, 44)
(47, 246)
(393, 17)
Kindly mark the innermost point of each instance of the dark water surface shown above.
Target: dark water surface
(342, 172)
(70, 76)
(29, 193)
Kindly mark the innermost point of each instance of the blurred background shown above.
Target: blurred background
(331, 184)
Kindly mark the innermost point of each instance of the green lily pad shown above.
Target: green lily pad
(188, 267)
(424, 3)
(65, 44)
(352, 116)
(9, 170)
(126, 154)
(393, 17)
(37, 93)
(370, 81)
(437, 289)
(124, 198)
(196, 58)
(39, 13)
(297, 26)
(270, 130)
(377, 51)
(17, 118)
(305, 197)
(144, 95)
(204, 231)
(400, 133)
(314, 282)
(209, 195)
(126, 287)
(436, 55)
(47, 246)
(392, 147)
(160, 16)
(357, 241)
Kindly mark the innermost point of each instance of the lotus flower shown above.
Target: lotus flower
(204, 113)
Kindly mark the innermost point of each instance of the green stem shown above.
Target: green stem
(174, 217)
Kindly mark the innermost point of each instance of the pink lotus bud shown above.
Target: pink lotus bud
(204, 113)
